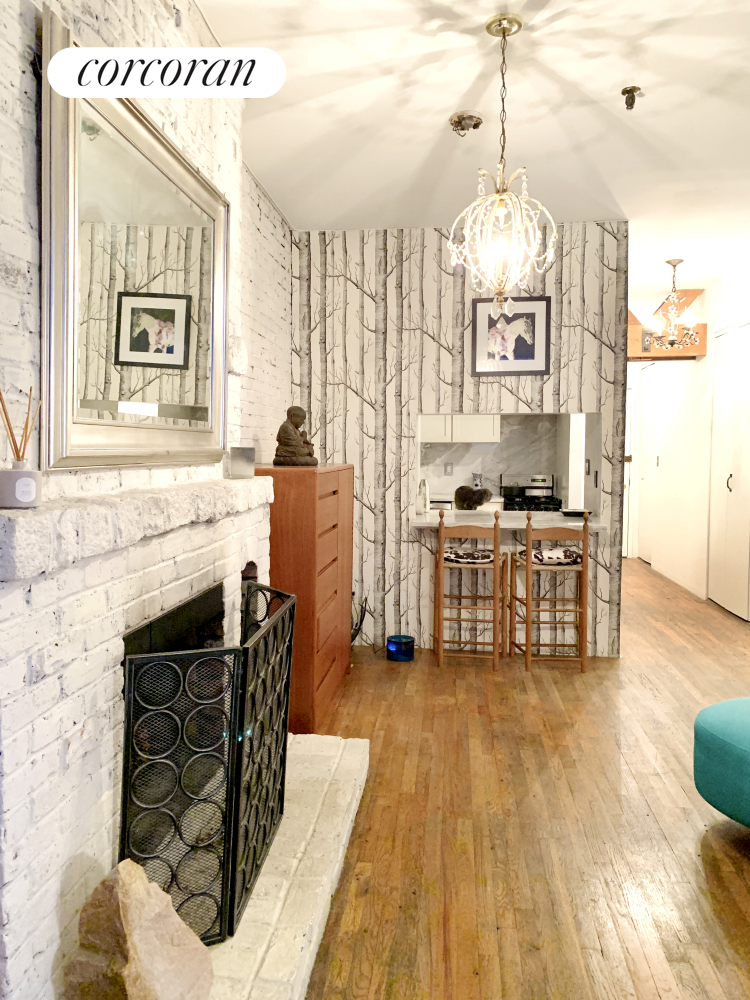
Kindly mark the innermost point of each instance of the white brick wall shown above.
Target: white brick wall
(61, 700)
(61, 632)
(261, 364)
(209, 133)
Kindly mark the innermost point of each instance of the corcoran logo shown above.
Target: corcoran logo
(202, 72)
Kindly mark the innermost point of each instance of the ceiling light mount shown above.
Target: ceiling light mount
(630, 94)
(504, 24)
(464, 121)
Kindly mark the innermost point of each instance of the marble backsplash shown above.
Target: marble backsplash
(528, 444)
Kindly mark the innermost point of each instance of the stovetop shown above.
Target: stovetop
(533, 503)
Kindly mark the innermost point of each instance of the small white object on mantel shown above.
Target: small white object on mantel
(273, 952)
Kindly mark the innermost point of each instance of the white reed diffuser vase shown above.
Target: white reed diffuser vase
(20, 486)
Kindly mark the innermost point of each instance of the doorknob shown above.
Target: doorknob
(728, 486)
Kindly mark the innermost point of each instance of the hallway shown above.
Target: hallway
(539, 835)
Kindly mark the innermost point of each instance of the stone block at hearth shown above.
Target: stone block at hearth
(134, 946)
(327, 746)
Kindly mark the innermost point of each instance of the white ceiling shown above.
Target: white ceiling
(358, 136)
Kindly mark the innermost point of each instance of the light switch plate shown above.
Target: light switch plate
(448, 469)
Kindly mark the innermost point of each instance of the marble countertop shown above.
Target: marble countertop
(510, 520)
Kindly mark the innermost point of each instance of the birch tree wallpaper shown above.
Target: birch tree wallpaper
(142, 258)
(382, 328)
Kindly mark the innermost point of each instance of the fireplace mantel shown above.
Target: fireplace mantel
(59, 533)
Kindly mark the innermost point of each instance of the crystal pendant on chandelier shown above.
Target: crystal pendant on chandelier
(505, 235)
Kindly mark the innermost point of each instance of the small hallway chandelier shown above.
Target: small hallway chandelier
(674, 334)
(499, 237)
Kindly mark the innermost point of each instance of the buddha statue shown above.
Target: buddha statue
(293, 447)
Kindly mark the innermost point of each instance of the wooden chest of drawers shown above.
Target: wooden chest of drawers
(311, 556)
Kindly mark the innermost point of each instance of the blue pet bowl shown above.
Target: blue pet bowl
(400, 647)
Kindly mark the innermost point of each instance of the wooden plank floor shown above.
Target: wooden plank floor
(539, 835)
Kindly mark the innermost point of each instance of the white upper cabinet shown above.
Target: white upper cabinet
(476, 428)
(435, 427)
(468, 428)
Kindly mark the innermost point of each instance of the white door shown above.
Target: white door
(648, 460)
(729, 519)
(630, 484)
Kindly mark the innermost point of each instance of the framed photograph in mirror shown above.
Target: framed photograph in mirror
(134, 277)
(516, 344)
(153, 331)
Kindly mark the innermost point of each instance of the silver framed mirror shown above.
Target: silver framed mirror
(134, 278)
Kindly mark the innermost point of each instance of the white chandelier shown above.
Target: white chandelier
(675, 334)
(499, 237)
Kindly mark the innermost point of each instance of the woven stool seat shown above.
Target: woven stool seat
(468, 557)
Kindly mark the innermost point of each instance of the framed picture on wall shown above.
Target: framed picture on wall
(511, 345)
(153, 331)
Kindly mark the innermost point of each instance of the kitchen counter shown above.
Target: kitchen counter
(510, 520)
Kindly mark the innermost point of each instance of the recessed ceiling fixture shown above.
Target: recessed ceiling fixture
(630, 94)
(675, 334)
(499, 237)
(464, 121)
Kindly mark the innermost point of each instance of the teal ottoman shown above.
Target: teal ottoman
(721, 757)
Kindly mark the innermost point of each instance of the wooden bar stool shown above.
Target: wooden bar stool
(575, 606)
(496, 602)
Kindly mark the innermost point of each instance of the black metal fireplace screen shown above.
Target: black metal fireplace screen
(205, 761)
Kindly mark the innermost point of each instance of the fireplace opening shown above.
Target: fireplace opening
(204, 755)
(196, 624)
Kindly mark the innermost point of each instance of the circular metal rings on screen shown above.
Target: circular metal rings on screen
(158, 684)
(156, 734)
(207, 680)
(153, 784)
(199, 912)
(152, 832)
(206, 728)
(159, 871)
(203, 775)
(198, 869)
(201, 823)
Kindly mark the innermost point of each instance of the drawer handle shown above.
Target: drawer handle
(327, 566)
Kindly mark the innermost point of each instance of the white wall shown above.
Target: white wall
(262, 366)
(674, 400)
(726, 302)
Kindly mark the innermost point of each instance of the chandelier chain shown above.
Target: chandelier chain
(503, 94)
(500, 238)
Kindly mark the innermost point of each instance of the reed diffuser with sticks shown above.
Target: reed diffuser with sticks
(20, 486)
